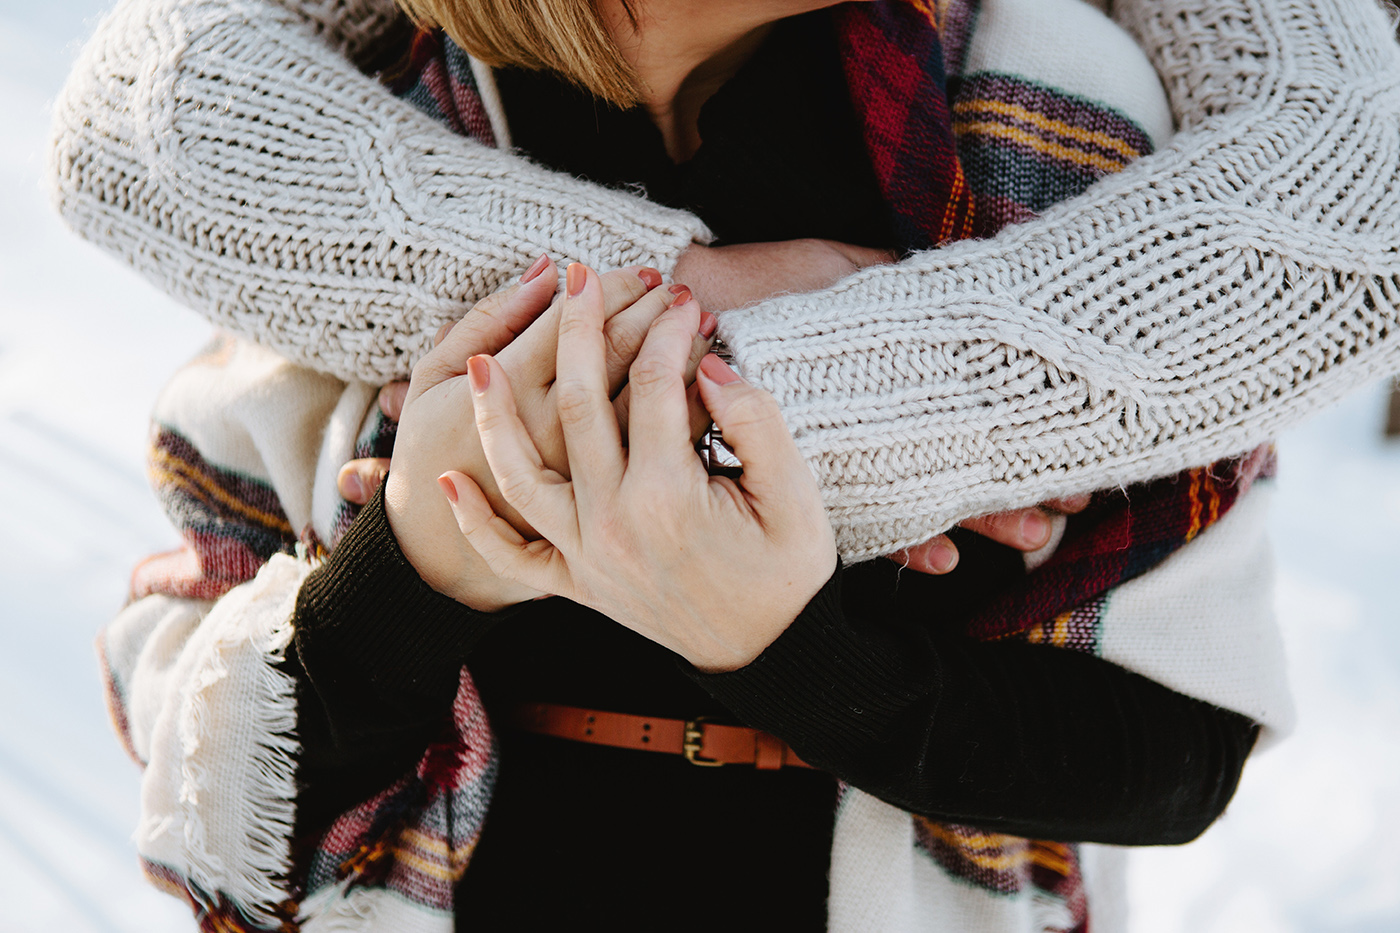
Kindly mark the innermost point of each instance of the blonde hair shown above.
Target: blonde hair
(567, 37)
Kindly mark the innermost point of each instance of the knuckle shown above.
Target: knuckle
(489, 423)
(650, 375)
(517, 489)
(494, 300)
(752, 408)
(623, 287)
(620, 340)
(575, 322)
(572, 401)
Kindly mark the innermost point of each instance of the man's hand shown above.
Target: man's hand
(726, 277)
(1024, 529)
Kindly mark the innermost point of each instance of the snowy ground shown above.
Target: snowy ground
(1309, 844)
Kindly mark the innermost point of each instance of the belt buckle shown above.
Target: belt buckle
(693, 740)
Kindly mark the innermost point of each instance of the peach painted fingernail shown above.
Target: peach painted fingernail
(534, 271)
(479, 374)
(682, 295)
(708, 324)
(650, 277)
(575, 279)
(717, 370)
(448, 487)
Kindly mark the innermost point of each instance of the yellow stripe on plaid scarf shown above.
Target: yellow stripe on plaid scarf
(166, 469)
(430, 855)
(1040, 144)
(974, 847)
(1049, 124)
(1205, 501)
(1055, 632)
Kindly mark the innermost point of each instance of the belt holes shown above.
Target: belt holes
(646, 738)
(646, 727)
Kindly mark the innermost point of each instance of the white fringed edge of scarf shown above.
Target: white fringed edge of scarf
(370, 910)
(219, 806)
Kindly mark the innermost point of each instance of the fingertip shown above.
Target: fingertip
(391, 400)
(718, 371)
(350, 486)
(936, 556)
(575, 279)
(941, 556)
(465, 497)
(1034, 530)
(479, 373)
(536, 269)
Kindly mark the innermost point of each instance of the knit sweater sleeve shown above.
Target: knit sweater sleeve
(1042, 736)
(1009, 737)
(235, 156)
(1183, 310)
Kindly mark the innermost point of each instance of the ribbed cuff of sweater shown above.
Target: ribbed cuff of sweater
(819, 686)
(367, 604)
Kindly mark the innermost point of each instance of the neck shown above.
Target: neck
(684, 50)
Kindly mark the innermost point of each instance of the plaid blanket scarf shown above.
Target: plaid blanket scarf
(955, 157)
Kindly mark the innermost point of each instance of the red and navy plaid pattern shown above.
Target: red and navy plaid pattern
(416, 837)
(1122, 535)
(231, 523)
(894, 69)
(436, 77)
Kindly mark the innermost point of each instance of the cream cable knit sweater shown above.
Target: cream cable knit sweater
(1185, 309)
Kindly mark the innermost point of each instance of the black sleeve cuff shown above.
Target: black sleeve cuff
(1027, 739)
(818, 684)
(366, 606)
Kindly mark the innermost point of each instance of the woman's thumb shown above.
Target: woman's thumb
(752, 426)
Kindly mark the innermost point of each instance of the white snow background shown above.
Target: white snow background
(1311, 843)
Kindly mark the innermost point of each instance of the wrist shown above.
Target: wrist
(693, 265)
(754, 633)
(427, 536)
(368, 605)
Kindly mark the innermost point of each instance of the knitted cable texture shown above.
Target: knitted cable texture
(1185, 309)
(1181, 311)
(236, 158)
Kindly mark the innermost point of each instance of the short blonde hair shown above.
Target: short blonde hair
(567, 37)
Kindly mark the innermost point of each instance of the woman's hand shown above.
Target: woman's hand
(710, 568)
(358, 479)
(437, 433)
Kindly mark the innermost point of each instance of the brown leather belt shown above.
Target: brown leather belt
(702, 743)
